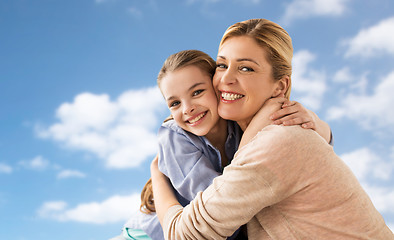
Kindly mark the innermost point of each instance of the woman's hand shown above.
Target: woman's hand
(293, 113)
(163, 193)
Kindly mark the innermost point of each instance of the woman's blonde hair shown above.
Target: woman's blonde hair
(175, 62)
(271, 37)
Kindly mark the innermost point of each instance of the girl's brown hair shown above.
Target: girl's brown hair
(172, 63)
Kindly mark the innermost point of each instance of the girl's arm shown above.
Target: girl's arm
(287, 113)
(293, 113)
(261, 119)
(163, 193)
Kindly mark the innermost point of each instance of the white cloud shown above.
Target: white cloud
(70, 174)
(382, 197)
(343, 76)
(376, 40)
(122, 132)
(309, 85)
(301, 9)
(366, 164)
(4, 168)
(113, 209)
(373, 111)
(369, 166)
(37, 163)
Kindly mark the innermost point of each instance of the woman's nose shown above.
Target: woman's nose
(228, 76)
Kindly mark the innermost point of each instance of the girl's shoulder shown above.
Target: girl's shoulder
(170, 131)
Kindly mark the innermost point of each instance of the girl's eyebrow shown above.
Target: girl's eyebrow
(241, 60)
(195, 85)
(190, 88)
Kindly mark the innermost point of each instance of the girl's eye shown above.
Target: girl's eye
(174, 104)
(246, 69)
(221, 65)
(197, 92)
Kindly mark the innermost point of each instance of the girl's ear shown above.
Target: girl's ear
(281, 86)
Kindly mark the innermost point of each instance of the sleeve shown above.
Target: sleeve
(184, 162)
(258, 176)
(149, 223)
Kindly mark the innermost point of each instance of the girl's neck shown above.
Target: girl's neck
(218, 134)
(217, 137)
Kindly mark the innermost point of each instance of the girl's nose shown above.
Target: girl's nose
(188, 108)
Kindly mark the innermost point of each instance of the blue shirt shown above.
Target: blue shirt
(190, 162)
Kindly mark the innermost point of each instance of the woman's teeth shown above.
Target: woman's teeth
(231, 96)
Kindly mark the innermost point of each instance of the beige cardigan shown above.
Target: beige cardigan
(287, 183)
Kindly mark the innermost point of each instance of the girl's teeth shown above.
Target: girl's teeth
(231, 96)
(197, 118)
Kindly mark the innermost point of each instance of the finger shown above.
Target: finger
(284, 112)
(278, 99)
(308, 125)
(288, 120)
(289, 103)
(293, 121)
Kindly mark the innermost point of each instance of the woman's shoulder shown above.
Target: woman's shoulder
(279, 135)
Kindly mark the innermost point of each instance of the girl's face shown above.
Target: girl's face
(191, 99)
(243, 79)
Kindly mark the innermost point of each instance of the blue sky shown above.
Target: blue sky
(79, 106)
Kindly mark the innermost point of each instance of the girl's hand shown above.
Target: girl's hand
(261, 119)
(293, 113)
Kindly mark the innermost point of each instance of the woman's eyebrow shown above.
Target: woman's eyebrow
(248, 60)
(241, 60)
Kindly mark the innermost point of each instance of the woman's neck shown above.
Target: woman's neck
(243, 124)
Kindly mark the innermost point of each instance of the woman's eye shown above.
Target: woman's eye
(246, 69)
(197, 92)
(221, 65)
(174, 104)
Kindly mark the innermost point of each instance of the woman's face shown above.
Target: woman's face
(191, 99)
(243, 79)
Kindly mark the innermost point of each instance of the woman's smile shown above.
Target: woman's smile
(229, 97)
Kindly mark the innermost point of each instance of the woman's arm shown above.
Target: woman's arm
(255, 179)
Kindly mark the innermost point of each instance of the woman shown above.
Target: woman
(284, 182)
(195, 144)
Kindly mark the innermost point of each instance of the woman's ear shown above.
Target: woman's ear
(281, 86)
